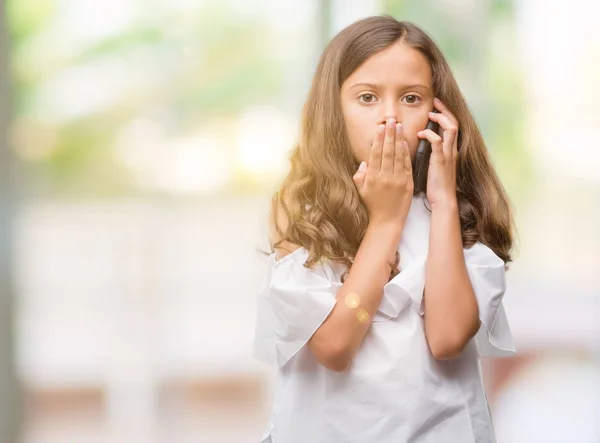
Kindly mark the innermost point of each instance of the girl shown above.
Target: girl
(378, 304)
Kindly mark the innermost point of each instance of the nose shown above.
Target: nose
(389, 110)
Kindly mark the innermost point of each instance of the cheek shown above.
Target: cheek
(359, 138)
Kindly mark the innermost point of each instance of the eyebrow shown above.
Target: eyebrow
(374, 86)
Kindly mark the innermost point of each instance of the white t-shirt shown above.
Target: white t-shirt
(394, 391)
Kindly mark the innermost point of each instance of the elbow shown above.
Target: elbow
(449, 346)
(445, 350)
(336, 358)
(337, 365)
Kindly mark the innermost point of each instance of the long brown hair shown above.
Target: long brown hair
(320, 201)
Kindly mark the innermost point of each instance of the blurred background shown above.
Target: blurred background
(140, 143)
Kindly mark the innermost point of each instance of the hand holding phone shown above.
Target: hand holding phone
(422, 159)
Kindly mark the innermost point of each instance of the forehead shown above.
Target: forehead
(396, 65)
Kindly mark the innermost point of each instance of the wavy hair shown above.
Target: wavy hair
(322, 207)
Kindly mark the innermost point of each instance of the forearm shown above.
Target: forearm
(451, 311)
(340, 336)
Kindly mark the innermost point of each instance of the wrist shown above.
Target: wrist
(449, 204)
(388, 228)
(389, 235)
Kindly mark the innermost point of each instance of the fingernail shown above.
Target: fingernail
(398, 128)
(362, 166)
(380, 128)
(391, 122)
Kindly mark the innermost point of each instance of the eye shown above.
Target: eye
(413, 99)
(367, 98)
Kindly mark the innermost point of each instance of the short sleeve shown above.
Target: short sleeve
(293, 301)
(488, 277)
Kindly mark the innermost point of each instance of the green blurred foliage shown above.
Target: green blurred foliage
(26, 16)
(211, 66)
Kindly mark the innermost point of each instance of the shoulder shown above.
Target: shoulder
(278, 225)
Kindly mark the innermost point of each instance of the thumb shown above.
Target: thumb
(359, 176)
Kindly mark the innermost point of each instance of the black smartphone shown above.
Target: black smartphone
(422, 159)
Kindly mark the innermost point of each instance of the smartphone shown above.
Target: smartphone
(422, 159)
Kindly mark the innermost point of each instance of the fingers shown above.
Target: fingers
(450, 131)
(399, 150)
(407, 163)
(437, 103)
(444, 120)
(376, 150)
(434, 139)
(387, 159)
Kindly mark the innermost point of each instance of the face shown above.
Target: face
(395, 82)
